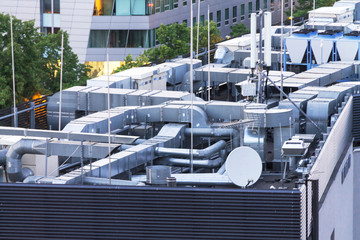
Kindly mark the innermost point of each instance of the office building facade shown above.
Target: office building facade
(128, 26)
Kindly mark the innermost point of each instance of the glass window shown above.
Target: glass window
(194, 21)
(218, 18)
(257, 5)
(242, 11)
(56, 6)
(272, 5)
(265, 4)
(193, 1)
(234, 11)
(98, 38)
(211, 16)
(286, 3)
(249, 8)
(105, 7)
(202, 19)
(162, 5)
(137, 7)
(47, 6)
(184, 2)
(226, 16)
(176, 3)
(185, 21)
(157, 6)
(122, 38)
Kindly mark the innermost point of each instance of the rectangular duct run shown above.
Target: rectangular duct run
(356, 118)
(111, 212)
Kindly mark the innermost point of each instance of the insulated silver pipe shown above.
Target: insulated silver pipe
(186, 153)
(180, 162)
(13, 158)
(210, 179)
(3, 156)
(104, 181)
(217, 132)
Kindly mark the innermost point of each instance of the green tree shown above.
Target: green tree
(303, 6)
(28, 60)
(74, 73)
(238, 30)
(203, 34)
(37, 62)
(130, 63)
(174, 40)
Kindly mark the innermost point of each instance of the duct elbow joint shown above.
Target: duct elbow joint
(19, 176)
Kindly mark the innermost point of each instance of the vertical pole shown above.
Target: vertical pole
(209, 96)
(291, 13)
(61, 76)
(52, 17)
(191, 89)
(315, 209)
(32, 115)
(108, 100)
(46, 156)
(13, 71)
(281, 50)
(260, 66)
(82, 162)
(198, 29)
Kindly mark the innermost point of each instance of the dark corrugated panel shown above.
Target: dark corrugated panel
(356, 118)
(98, 212)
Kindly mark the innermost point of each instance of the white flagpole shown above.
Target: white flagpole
(13, 71)
(61, 76)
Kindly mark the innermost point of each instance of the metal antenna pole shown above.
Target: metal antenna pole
(291, 10)
(198, 29)
(281, 49)
(108, 100)
(61, 76)
(191, 90)
(260, 66)
(13, 71)
(209, 96)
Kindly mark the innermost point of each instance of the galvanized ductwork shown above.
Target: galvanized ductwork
(180, 152)
(13, 158)
(203, 163)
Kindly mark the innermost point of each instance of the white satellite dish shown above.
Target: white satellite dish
(243, 166)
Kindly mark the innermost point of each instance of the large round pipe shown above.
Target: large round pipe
(185, 153)
(217, 132)
(205, 163)
(3, 153)
(13, 158)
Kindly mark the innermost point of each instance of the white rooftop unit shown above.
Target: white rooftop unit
(148, 78)
(114, 82)
(332, 14)
(242, 42)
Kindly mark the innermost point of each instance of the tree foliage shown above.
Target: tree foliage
(28, 62)
(303, 6)
(37, 62)
(130, 63)
(174, 40)
(238, 30)
(73, 73)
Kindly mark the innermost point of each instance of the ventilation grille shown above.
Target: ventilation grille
(356, 118)
(98, 212)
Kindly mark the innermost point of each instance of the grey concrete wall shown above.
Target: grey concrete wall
(22, 9)
(336, 212)
(356, 189)
(76, 17)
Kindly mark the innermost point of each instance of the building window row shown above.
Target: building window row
(134, 7)
(122, 38)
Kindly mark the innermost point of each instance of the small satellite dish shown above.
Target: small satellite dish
(243, 166)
